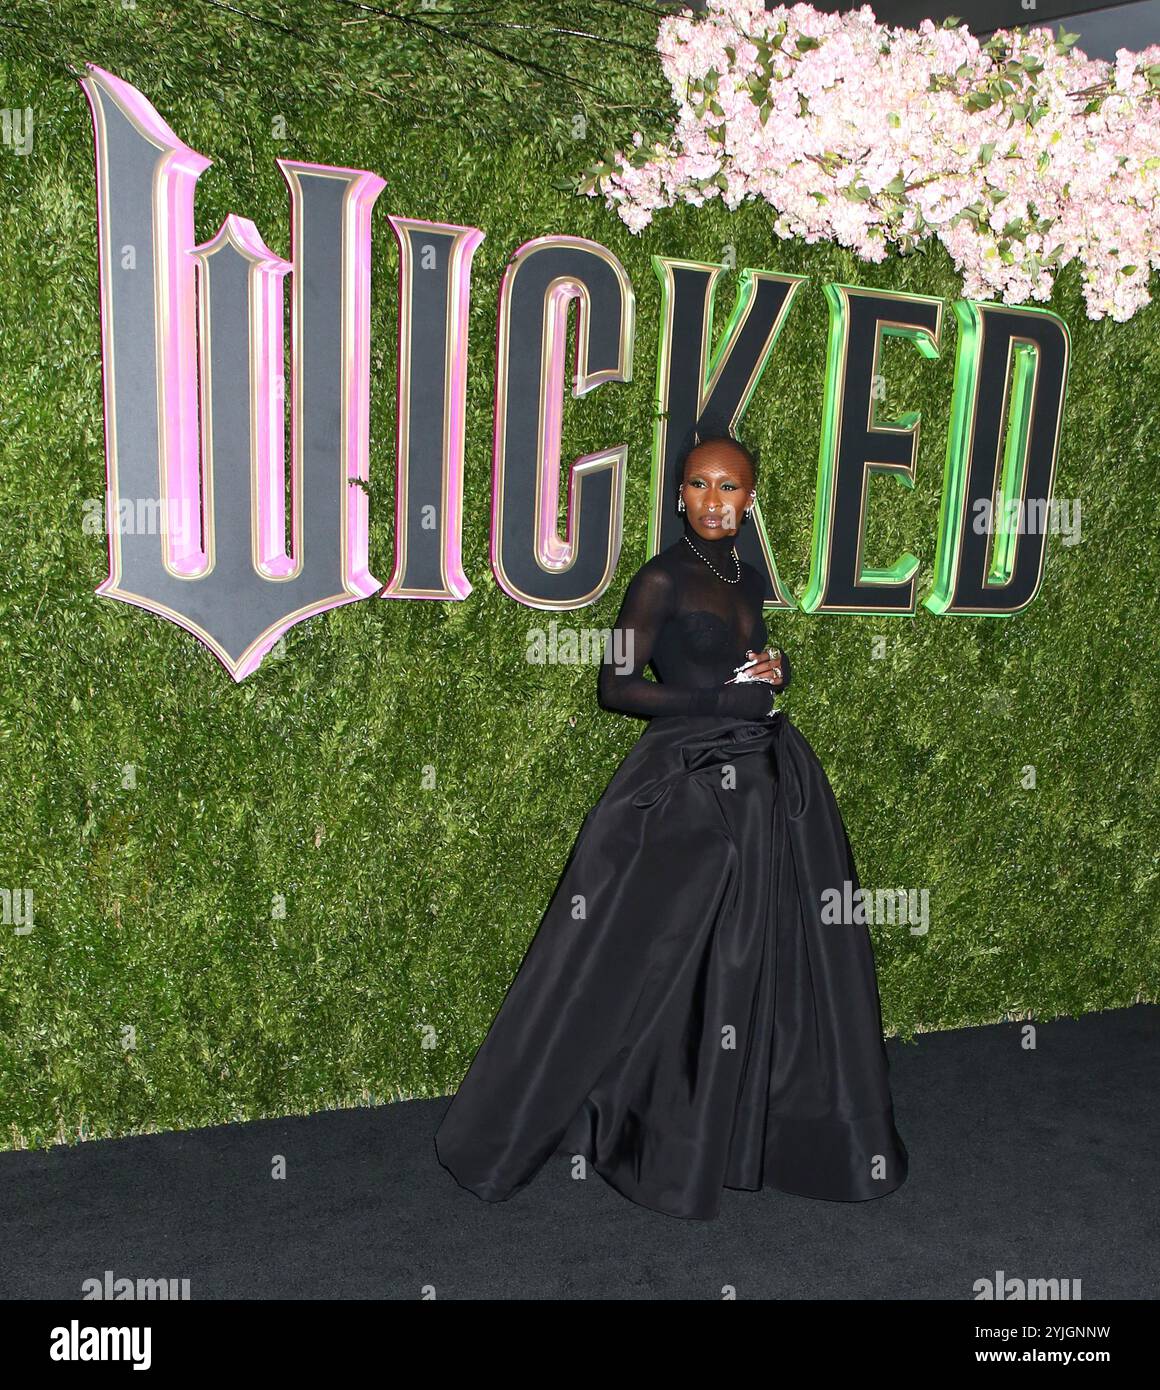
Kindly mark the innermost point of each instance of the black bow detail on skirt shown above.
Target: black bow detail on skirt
(718, 750)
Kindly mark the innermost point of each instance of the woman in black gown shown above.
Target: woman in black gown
(686, 1017)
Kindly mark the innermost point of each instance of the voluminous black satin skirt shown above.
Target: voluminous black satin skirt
(686, 1017)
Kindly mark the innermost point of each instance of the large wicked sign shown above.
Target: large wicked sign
(193, 351)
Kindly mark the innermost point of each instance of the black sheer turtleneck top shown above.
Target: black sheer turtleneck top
(682, 617)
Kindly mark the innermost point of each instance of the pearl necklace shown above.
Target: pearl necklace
(713, 567)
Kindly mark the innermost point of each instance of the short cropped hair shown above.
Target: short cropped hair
(718, 438)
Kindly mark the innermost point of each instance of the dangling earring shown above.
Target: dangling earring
(680, 502)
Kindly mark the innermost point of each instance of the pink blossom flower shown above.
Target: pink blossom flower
(857, 147)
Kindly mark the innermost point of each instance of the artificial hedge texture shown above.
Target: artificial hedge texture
(157, 810)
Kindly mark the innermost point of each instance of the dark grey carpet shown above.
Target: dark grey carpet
(1042, 1164)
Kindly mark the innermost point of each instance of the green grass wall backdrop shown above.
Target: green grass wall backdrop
(161, 814)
